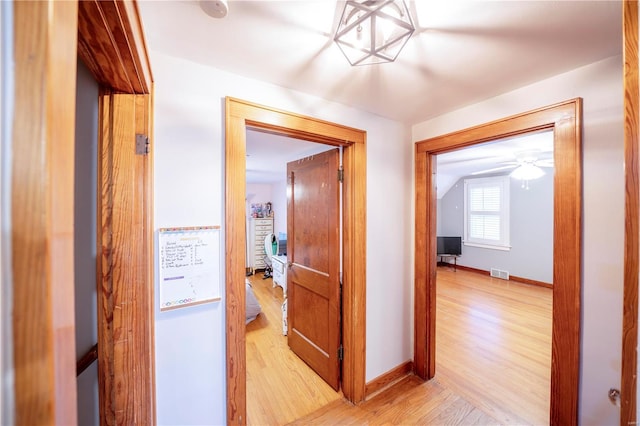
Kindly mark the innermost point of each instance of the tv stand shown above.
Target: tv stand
(446, 256)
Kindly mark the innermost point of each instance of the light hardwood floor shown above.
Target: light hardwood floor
(494, 345)
(280, 386)
(493, 361)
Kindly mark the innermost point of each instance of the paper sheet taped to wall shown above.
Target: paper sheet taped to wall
(189, 264)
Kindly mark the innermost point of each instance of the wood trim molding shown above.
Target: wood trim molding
(628, 387)
(387, 379)
(111, 43)
(239, 115)
(46, 49)
(125, 294)
(566, 121)
(424, 248)
(354, 260)
(530, 282)
(42, 212)
(511, 277)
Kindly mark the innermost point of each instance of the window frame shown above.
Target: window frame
(504, 182)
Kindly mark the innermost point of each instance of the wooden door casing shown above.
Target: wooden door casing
(565, 119)
(629, 368)
(313, 284)
(125, 291)
(48, 37)
(42, 199)
(239, 115)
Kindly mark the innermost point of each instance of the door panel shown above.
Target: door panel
(313, 286)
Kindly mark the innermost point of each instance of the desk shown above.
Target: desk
(279, 265)
(446, 256)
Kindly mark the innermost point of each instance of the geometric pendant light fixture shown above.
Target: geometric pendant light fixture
(373, 31)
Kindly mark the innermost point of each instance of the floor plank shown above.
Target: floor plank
(494, 344)
(493, 362)
(280, 386)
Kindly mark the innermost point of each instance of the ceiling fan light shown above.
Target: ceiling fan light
(373, 31)
(527, 172)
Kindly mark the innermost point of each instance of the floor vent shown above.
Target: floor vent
(498, 273)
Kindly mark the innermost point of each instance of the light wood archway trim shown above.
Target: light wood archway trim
(111, 43)
(125, 279)
(42, 212)
(238, 116)
(628, 387)
(42, 200)
(565, 119)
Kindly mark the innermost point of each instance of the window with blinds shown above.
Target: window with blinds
(486, 206)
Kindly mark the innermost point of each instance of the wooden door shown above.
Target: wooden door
(313, 284)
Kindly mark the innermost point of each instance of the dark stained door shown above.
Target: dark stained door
(313, 285)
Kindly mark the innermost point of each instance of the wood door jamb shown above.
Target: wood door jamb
(239, 115)
(566, 121)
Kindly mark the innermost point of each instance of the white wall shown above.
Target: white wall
(279, 199)
(600, 85)
(259, 193)
(189, 191)
(6, 118)
(530, 223)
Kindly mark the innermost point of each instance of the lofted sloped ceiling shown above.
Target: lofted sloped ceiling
(462, 51)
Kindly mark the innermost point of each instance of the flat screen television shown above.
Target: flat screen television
(449, 245)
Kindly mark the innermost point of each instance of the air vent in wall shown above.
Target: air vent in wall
(499, 273)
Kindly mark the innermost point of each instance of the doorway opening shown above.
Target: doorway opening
(565, 119)
(276, 375)
(239, 115)
(494, 275)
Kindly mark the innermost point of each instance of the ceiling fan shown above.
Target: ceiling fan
(522, 159)
(526, 167)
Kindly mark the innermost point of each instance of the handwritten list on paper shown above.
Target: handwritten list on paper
(189, 266)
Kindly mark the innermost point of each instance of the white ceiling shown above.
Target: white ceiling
(268, 155)
(461, 53)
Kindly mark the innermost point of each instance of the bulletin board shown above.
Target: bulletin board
(189, 266)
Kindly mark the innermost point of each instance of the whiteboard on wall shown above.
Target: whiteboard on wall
(189, 264)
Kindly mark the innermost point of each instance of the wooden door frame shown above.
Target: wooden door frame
(629, 369)
(48, 37)
(565, 119)
(240, 115)
(42, 185)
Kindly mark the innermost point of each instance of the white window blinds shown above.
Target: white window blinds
(487, 211)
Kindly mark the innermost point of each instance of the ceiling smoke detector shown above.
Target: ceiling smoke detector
(215, 8)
